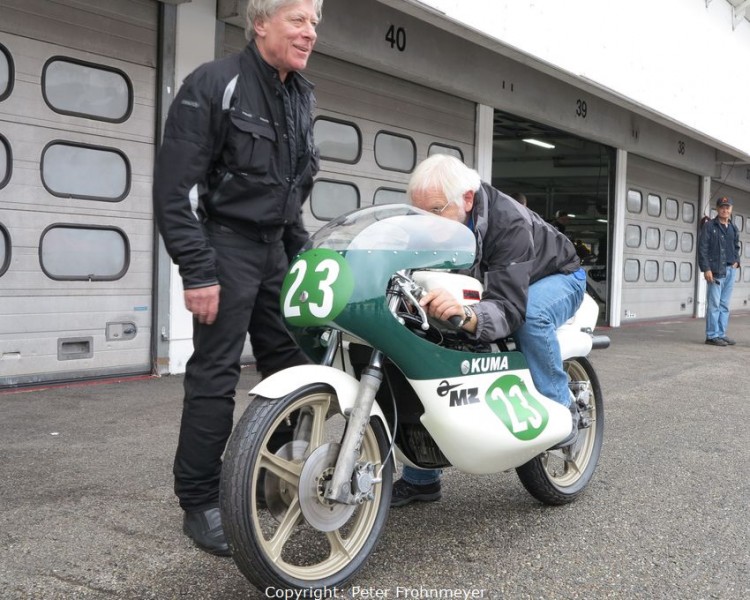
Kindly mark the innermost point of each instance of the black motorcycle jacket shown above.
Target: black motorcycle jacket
(515, 248)
(238, 150)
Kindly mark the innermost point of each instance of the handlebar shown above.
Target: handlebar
(414, 292)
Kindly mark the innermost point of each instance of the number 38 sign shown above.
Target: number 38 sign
(316, 288)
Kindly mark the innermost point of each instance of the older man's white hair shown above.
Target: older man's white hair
(265, 9)
(446, 173)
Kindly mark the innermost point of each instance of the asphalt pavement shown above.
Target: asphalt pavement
(87, 509)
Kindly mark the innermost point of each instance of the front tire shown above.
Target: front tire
(558, 477)
(282, 533)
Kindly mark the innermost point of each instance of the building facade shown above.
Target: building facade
(637, 141)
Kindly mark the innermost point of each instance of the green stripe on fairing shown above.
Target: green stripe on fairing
(367, 315)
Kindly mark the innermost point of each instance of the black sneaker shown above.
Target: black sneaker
(205, 529)
(405, 492)
(716, 342)
(729, 341)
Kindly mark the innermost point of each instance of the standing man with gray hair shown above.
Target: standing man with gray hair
(236, 164)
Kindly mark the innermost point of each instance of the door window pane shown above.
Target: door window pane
(632, 236)
(651, 270)
(653, 238)
(443, 149)
(653, 207)
(6, 73)
(686, 272)
(635, 201)
(632, 269)
(87, 89)
(329, 199)
(389, 196)
(4, 250)
(688, 212)
(337, 140)
(395, 152)
(670, 240)
(88, 253)
(84, 172)
(5, 162)
(686, 242)
(672, 209)
(739, 222)
(670, 271)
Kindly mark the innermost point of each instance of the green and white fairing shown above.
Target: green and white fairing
(482, 409)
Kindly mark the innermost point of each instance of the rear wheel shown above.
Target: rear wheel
(282, 532)
(559, 476)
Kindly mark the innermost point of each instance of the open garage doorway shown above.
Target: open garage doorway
(567, 180)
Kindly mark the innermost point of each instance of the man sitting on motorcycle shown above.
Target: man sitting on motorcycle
(533, 283)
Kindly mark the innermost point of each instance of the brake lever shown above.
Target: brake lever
(414, 294)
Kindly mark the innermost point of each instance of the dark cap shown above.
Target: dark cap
(724, 202)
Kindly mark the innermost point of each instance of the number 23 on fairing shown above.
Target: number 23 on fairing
(316, 288)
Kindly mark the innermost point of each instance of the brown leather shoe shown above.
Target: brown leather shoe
(205, 529)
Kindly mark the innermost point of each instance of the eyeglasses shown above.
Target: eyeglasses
(439, 211)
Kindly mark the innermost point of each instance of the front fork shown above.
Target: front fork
(344, 476)
(352, 482)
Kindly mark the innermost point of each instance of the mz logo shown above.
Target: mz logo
(458, 397)
(466, 396)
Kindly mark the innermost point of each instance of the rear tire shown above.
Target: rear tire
(558, 477)
(269, 496)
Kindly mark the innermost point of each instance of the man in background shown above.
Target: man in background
(718, 257)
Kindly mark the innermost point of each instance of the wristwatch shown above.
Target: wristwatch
(468, 313)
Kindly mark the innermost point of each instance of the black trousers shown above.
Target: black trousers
(250, 274)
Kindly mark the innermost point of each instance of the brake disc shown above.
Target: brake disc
(278, 493)
(322, 514)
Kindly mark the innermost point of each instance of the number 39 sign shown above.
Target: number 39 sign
(316, 288)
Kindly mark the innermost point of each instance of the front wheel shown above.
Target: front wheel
(282, 532)
(558, 477)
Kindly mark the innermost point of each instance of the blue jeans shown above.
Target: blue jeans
(717, 310)
(552, 301)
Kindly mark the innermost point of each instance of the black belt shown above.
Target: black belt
(266, 235)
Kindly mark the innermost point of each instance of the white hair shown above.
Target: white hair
(446, 173)
(265, 9)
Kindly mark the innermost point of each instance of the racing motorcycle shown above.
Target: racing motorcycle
(308, 470)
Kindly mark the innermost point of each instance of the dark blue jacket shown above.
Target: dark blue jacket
(712, 253)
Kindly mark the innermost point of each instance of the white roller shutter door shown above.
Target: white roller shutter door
(661, 225)
(78, 125)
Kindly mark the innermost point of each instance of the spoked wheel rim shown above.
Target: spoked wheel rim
(288, 541)
(567, 465)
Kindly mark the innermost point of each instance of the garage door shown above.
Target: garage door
(372, 129)
(77, 123)
(661, 221)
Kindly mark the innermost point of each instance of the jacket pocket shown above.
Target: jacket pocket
(251, 144)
